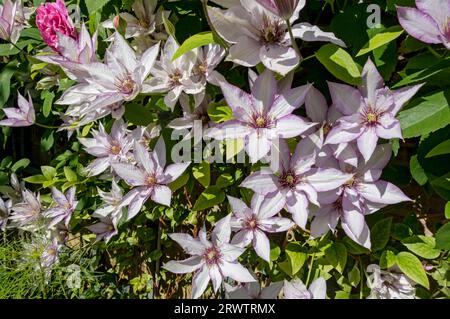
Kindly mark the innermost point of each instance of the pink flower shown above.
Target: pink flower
(53, 18)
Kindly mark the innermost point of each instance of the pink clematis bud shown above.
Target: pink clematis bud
(53, 18)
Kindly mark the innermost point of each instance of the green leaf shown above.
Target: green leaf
(339, 63)
(354, 276)
(443, 237)
(380, 234)
(95, 5)
(381, 39)
(219, 113)
(387, 259)
(297, 256)
(5, 81)
(210, 197)
(179, 182)
(354, 248)
(48, 102)
(47, 140)
(422, 246)
(138, 114)
(413, 268)
(441, 149)
(336, 255)
(71, 176)
(195, 41)
(49, 172)
(417, 172)
(36, 179)
(23, 163)
(224, 180)
(202, 173)
(429, 114)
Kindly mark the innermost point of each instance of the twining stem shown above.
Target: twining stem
(157, 267)
(223, 43)
(293, 42)
(361, 279)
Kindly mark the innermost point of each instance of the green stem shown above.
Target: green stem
(213, 29)
(310, 269)
(46, 126)
(293, 42)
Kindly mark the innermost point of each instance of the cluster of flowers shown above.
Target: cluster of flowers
(332, 175)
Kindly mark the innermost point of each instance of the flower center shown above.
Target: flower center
(126, 85)
(115, 148)
(351, 182)
(272, 31)
(151, 180)
(372, 118)
(252, 223)
(201, 68)
(326, 128)
(288, 180)
(212, 256)
(260, 122)
(175, 78)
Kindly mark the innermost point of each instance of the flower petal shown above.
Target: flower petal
(383, 193)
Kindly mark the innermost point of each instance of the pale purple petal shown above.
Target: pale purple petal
(292, 126)
(383, 193)
(200, 282)
(372, 81)
(316, 106)
(184, 266)
(419, 25)
(327, 179)
(161, 194)
(236, 271)
(345, 98)
(367, 143)
(261, 244)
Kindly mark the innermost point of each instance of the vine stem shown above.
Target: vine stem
(46, 126)
(361, 283)
(310, 269)
(293, 42)
(213, 29)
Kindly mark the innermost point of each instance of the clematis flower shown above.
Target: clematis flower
(318, 111)
(262, 117)
(252, 223)
(149, 178)
(24, 115)
(50, 256)
(13, 19)
(369, 111)
(105, 229)
(211, 260)
(208, 58)
(72, 52)
(295, 182)
(144, 21)
(430, 22)
(145, 134)
(113, 203)
(28, 211)
(173, 77)
(257, 35)
(120, 79)
(108, 148)
(65, 206)
(253, 290)
(52, 19)
(362, 194)
(389, 284)
(296, 289)
(282, 8)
